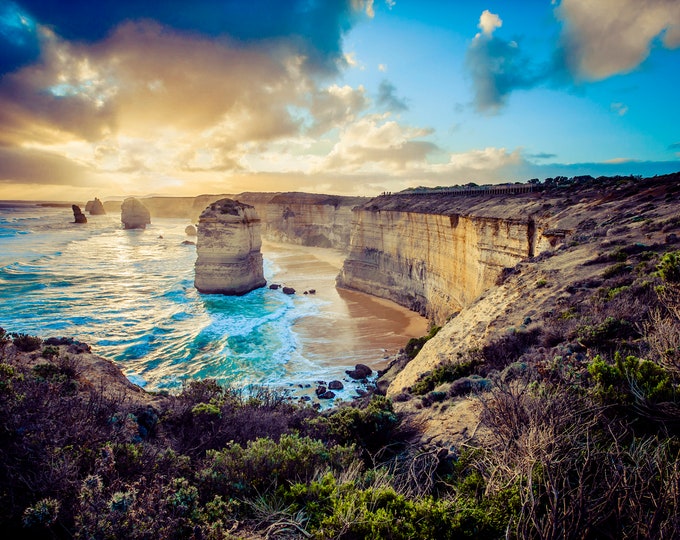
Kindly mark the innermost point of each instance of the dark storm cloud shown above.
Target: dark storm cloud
(315, 28)
(387, 98)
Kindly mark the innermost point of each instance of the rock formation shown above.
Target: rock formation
(228, 249)
(78, 214)
(436, 255)
(95, 208)
(134, 215)
(190, 230)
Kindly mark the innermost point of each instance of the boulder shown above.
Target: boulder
(228, 249)
(134, 215)
(78, 214)
(326, 395)
(274, 286)
(288, 290)
(360, 371)
(190, 230)
(335, 385)
(95, 208)
(320, 390)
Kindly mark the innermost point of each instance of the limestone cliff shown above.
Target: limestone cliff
(95, 207)
(308, 219)
(299, 218)
(78, 215)
(228, 249)
(435, 254)
(134, 215)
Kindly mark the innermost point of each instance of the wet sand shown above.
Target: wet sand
(352, 327)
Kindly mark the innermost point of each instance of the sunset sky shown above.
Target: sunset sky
(136, 97)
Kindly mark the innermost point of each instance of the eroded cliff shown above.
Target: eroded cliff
(228, 249)
(436, 253)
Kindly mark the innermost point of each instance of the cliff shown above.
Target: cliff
(435, 253)
(298, 218)
(307, 219)
(228, 249)
(134, 215)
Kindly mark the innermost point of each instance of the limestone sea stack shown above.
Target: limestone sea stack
(228, 249)
(95, 208)
(134, 214)
(78, 214)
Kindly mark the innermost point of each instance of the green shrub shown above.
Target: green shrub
(617, 382)
(669, 267)
(414, 345)
(606, 333)
(444, 373)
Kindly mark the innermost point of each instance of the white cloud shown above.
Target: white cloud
(382, 67)
(607, 37)
(488, 22)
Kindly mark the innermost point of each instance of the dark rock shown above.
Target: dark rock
(188, 243)
(671, 238)
(78, 214)
(335, 385)
(305, 292)
(312, 291)
(320, 390)
(327, 395)
(274, 286)
(288, 290)
(360, 371)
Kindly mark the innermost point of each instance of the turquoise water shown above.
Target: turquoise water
(130, 294)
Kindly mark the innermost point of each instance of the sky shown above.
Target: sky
(352, 97)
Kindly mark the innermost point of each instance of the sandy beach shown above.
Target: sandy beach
(353, 327)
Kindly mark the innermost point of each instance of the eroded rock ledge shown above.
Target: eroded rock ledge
(228, 249)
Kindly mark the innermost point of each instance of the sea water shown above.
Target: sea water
(130, 294)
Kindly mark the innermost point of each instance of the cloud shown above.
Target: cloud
(674, 146)
(497, 66)
(387, 98)
(335, 106)
(541, 155)
(619, 108)
(375, 142)
(314, 29)
(609, 37)
(382, 67)
(488, 22)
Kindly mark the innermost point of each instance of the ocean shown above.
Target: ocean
(130, 295)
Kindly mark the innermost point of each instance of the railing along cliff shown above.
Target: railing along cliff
(467, 191)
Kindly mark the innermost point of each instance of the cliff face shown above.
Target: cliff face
(297, 218)
(308, 219)
(228, 249)
(433, 263)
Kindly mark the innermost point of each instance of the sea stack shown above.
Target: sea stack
(134, 214)
(78, 214)
(95, 208)
(228, 249)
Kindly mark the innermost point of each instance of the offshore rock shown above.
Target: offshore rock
(95, 208)
(134, 215)
(78, 214)
(228, 249)
(190, 230)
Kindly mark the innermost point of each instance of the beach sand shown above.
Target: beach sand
(352, 327)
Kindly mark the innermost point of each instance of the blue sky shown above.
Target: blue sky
(346, 96)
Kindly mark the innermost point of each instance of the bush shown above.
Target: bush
(444, 373)
(414, 345)
(630, 376)
(26, 343)
(669, 267)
